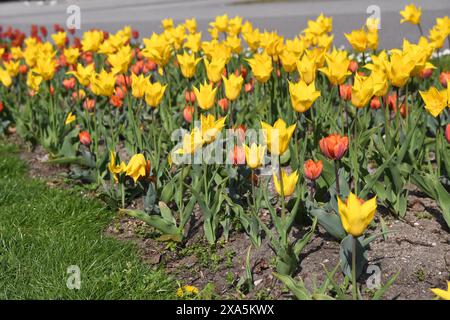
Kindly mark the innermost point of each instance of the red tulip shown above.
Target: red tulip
(85, 138)
(353, 66)
(375, 103)
(89, 104)
(444, 77)
(237, 155)
(426, 73)
(69, 84)
(188, 113)
(345, 91)
(334, 146)
(1, 107)
(312, 169)
(223, 103)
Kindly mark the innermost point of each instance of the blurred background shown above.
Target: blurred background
(287, 17)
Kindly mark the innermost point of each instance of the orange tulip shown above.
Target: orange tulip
(444, 77)
(345, 91)
(188, 113)
(85, 138)
(447, 133)
(312, 169)
(334, 146)
(375, 103)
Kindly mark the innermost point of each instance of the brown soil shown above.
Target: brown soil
(418, 247)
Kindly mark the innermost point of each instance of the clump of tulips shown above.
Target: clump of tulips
(245, 131)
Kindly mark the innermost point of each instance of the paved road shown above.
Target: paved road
(287, 17)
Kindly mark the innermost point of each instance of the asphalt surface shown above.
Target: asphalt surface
(286, 17)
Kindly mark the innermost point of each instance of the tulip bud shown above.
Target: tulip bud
(239, 131)
(353, 66)
(52, 90)
(444, 77)
(1, 107)
(120, 92)
(223, 103)
(375, 103)
(85, 138)
(69, 84)
(135, 34)
(115, 101)
(23, 69)
(345, 91)
(447, 133)
(312, 169)
(243, 72)
(237, 155)
(248, 87)
(188, 113)
(72, 31)
(403, 110)
(392, 102)
(43, 31)
(189, 96)
(426, 73)
(151, 65)
(89, 104)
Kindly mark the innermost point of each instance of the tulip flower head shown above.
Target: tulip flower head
(254, 155)
(261, 65)
(115, 168)
(188, 64)
(362, 91)
(312, 169)
(154, 93)
(447, 133)
(277, 137)
(334, 146)
(303, 95)
(211, 127)
(85, 138)
(411, 14)
(435, 101)
(136, 167)
(70, 118)
(356, 214)
(289, 183)
(443, 294)
(205, 95)
(233, 86)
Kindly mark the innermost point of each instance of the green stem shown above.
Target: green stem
(354, 285)
(283, 213)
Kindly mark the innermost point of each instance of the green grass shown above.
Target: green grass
(43, 231)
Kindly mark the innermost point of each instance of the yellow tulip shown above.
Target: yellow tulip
(136, 167)
(337, 69)
(272, 44)
(211, 127)
(187, 62)
(399, 69)
(154, 93)
(191, 25)
(59, 39)
(191, 142)
(356, 214)
(435, 100)
(5, 78)
(306, 68)
(252, 38)
(233, 86)
(443, 294)
(221, 23)
(205, 96)
(193, 42)
(380, 83)
(103, 83)
(254, 155)
(167, 24)
(234, 26)
(362, 91)
(302, 95)
(372, 39)
(411, 14)
(70, 118)
(83, 74)
(34, 81)
(45, 67)
(289, 183)
(214, 69)
(16, 53)
(139, 85)
(358, 40)
(157, 48)
(261, 65)
(120, 60)
(72, 55)
(288, 61)
(12, 67)
(115, 168)
(91, 40)
(277, 137)
(234, 43)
